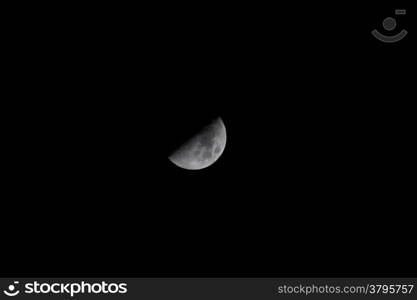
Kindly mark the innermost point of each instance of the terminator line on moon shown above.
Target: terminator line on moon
(203, 149)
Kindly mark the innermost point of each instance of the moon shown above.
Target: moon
(203, 149)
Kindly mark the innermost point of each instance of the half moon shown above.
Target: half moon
(203, 149)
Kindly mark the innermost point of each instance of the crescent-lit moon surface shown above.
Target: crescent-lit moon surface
(203, 149)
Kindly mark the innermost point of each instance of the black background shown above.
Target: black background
(315, 179)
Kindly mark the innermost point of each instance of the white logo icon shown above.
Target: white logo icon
(389, 24)
(12, 290)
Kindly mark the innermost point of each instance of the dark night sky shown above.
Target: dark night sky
(318, 144)
(313, 180)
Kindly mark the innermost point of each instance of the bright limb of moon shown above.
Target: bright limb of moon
(203, 149)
